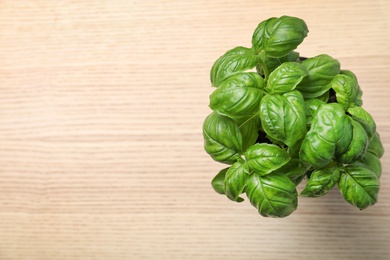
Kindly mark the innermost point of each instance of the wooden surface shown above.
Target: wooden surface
(101, 152)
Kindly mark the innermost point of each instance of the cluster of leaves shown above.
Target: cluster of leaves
(278, 119)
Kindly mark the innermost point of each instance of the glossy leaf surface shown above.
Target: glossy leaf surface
(364, 118)
(238, 59)
(273, 195)
(285, 78)
(283, 117)
(222, 138)
(359, 185)
(238, 96)
(263, 158)
(375, 146)
(321, 181)
(279, 36)
(346, 90)
(321, 70)
(358, 146)
(329, 136)
(218, 182)
(235, 181)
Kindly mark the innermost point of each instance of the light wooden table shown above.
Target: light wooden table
(101, 152)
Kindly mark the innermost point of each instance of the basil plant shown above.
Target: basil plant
(279, 118)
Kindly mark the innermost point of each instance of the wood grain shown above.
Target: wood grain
(101, 107)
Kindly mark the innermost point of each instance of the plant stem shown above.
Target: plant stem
(264, 65)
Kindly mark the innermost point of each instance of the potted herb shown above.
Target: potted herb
(278, 119)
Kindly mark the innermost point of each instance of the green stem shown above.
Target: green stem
(264, 65)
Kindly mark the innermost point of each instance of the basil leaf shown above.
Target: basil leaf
(273, 195)
(222, 138)
(321, 181)
(238, 96)
(273, 63)
(312, 106)
(324, 97)
(294, 170)
(321, 71)
(265, 158)
(279, 36)
(375, 146)
(372, 161)
(283, 117)
(285, 78)
(346, 90)
(238, 59)
(218, 182)
(329, 136)
(358, 100)
(364, 118)
(235, 181)
(359, 185)
(358, 146)
(249, 128)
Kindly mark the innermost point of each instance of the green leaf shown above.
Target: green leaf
(283, 117)
(249, 128)
(285, 78)
(235, 181)
(222, 138)
(372, 161)
(238, 59)
(358, 100)
(364, 118)
(265, 158)
(346, 90)
(359, 185)
(294, 170)
(321, 71)
(358, 146)
(279, 36)
(324, 97)
(238, 96)
(273, 195)
(329, 136)
(321, 181)
(312, 106)
(273, 63)
(218, 182)
(375, 146)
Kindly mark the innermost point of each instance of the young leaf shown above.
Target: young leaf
(358, 146)
(273, 195)
(329, 136)
(265, 158)
(321, 181)
(283, 117)
(321, 71)
(358, 100)
(372, 161)
(249, 128)
(294, 170)
(375, 146)
(279, 36)
(285, 78)
(346, 90)
(218, 182)
(273, 63)
(238, 59)
(235, 181)
(359, 185)
(312, 106)
(222, 138)
(364, 118)
(238, 96)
